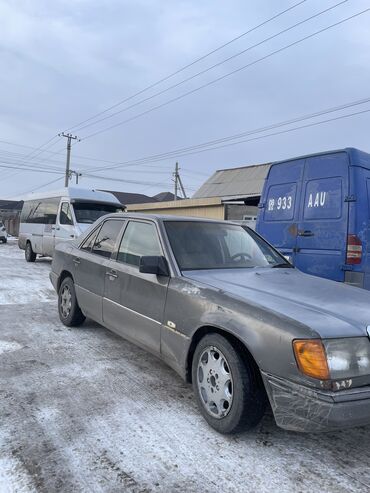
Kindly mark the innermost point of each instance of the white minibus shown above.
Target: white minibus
(51, 217)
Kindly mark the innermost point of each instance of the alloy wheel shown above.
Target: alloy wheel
(215, 382)
(65, 301)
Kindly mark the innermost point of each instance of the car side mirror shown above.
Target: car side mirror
(154, 265)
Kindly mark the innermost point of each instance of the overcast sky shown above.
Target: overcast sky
(64, 61)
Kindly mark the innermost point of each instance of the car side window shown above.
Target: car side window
(65, 216)
(107, 237)
(139, 240)
(90, 240)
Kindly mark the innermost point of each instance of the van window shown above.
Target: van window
(65, 216)
(140, 239)
(107, 237)
(88, 213)
(280, 202)
(40, 211)
(323, 199)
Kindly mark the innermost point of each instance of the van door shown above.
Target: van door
(323, 226)
(47, 214)
(65, 229)
(279, 210)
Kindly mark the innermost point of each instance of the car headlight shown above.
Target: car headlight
(348, 358)
(333, 359)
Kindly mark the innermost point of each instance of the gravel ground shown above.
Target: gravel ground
(85, 411)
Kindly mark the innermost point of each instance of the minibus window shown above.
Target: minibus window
(65, 215)
(88, 213)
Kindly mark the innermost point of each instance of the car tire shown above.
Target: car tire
(227, 388)
(70, 313)
(4, 240)
(29, 254)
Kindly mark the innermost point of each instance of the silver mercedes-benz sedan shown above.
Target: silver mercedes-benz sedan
(229, 314)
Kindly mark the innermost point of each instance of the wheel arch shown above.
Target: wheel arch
(63, 275)
(233, 339)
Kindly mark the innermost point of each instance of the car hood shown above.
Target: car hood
(329, 308)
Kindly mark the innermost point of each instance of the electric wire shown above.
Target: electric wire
(203, 57)
(202, 72)
(178, 152)
(209, 83)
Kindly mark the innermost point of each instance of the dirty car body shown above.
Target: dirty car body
(166, 284)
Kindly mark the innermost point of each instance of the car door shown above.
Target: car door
(91, 262)
(133, 303)
(323, 226)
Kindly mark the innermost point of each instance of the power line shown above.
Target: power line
(181, 96)
(4, 164)
(281, 132)
(178, 152)
(38, 188)
(203, 57)
(202, 72)
(76, 156)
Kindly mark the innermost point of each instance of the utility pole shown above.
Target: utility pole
(69, 138)
(178, 182)
(176, 174)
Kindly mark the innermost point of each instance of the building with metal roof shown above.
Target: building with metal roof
(245, 182)
(231, 194)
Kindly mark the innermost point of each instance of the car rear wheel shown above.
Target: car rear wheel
(226, 388)
(4, 240)
(29, 254)
(70, 313)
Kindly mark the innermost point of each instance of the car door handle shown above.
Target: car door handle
(112, 274)
(76, 260)
(306, 232)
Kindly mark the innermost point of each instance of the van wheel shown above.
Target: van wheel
(226, 388)
(29, 254)
(70, 313)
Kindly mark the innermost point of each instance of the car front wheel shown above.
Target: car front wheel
(226, 387)
(70, 313)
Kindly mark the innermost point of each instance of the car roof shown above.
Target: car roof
(163, 217)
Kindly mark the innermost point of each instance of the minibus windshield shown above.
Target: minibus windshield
(88, 213)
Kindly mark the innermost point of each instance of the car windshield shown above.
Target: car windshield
(88, 213)
(205, 245)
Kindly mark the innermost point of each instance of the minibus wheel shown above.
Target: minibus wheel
(29, 254)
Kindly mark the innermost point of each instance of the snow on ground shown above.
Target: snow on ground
(22, 282)
(82, 410)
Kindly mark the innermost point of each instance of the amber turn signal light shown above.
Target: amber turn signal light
(311, 358)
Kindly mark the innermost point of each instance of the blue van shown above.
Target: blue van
(316, 210)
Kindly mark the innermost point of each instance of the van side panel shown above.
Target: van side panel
(323, 225)
(279, 208)
(359, 224)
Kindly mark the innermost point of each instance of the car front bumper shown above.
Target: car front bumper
(304, 409)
